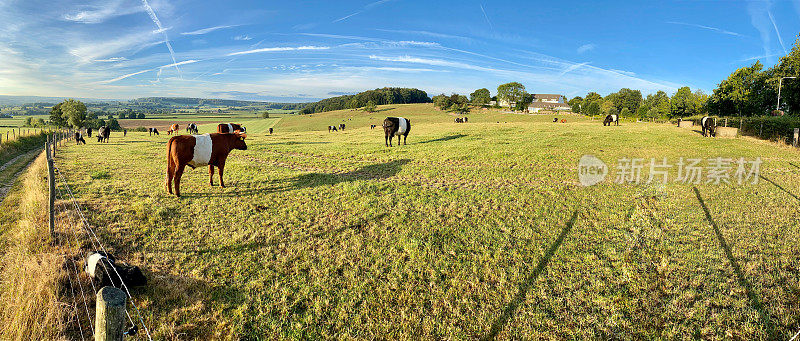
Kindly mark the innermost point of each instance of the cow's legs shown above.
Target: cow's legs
(170, 174)
(211, 175)
(178, 174)
(221, 181)
(405, 138)
(388, 141)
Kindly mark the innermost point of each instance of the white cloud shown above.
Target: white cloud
(586, 48)
(207, 30)
(88, 51)
(429, 61)
(279, 49)
(95, 14)
(242, 37)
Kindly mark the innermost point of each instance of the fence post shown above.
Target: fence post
(110, 314)
(796, 136)
(760, 129)
(51, 181)
(53, 144)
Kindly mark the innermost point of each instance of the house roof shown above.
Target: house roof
(548, 105)
(547, 96)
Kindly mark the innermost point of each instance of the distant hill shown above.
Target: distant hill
(377, 96)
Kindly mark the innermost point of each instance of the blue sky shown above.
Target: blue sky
(305, 50)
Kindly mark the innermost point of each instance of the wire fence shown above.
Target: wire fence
(72, 231)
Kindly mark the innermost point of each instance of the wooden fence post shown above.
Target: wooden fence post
(760, 130)
(53, 144)
(796, 136)
(51, 181)
(110, 314)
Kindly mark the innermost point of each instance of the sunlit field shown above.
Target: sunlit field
(470, 231)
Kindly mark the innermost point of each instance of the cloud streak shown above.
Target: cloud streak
(153, 17)
(715, 29)
(191, 61)
(363, 9)
(586, 48)
(278, 49)
(487, 18)
(777, 32)
(207, 30)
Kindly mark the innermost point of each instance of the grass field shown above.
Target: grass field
(474, 230)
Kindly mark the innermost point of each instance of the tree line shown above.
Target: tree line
(376, 97)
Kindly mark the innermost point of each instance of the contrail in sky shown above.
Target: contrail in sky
(163, 31)
(487, 18)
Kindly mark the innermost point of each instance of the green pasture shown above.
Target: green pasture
(470, 231)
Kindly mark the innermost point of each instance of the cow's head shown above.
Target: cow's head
(238, 142)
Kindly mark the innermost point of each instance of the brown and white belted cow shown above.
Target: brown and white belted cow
(173, 129)
(200, 150)
(230, 127)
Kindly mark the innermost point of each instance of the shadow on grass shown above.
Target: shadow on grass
(446, 138)
(779, 186)
(291, 143)
(511, 308)
(795, 166)
(370, 172)
(262, 244)
(751, 295)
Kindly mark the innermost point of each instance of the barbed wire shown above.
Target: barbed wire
(99, 246)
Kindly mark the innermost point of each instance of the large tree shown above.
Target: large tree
(524, 102)
(480, 96)
(510, 92)
(683, 103)
(56, 117)
(575, 103)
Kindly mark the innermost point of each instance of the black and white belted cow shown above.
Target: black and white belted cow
(230, 128)
(709, 125)
(106, 270)
(191, 128)
(613, 118)
(341, 127)
(103, 134)
(152, 131)
(396, 126)
(79, 138)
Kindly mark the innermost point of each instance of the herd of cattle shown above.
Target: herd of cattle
(212, 150)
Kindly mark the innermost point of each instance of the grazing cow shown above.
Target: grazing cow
(106, 270)
(679, 121)
(396, 126)
(270, 131)
(611, 119)
(459, 120)
(200, 150)
(124, 132)
(191, 128)
(152, 131)
(563, 120)
(79, 138)
(341, 127)
(709, 125)
(332, 128)
(466, 119)
(89, 132)
(173, 129)
(103, 134)
(230, 128)
(555, 120)
(372, 126)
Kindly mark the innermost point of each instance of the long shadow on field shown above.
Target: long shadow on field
(171, 295)
(751, 295)
(501, 321)
(291, 143)
(446, 138)
(795, 166)
(779, 186)
(235, 249)
(370, 172)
